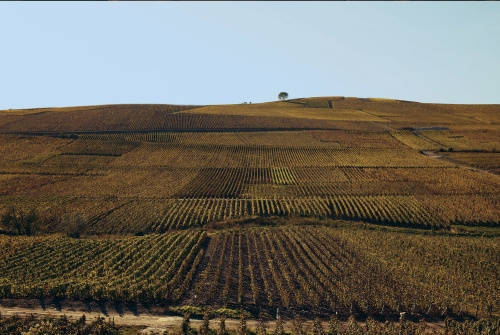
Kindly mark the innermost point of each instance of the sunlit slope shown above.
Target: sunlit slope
(409, 111)
(261, 206)
(142, 168)
(308, 113)
(370, 109)
(287, 110)
(158, 181)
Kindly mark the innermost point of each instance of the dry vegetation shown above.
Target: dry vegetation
(160, 181)
(313, 269)
(149, 268)
(147, 169)
(348, 271)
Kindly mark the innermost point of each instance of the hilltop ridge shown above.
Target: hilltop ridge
(302, 113)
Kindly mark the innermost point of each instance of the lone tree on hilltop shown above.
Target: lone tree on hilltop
(283, 96)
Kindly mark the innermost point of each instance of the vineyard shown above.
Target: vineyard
(360, 207)
(346, 271)
(185, 213)
(154, 182)
(153, 268)
(313, 269)
(285, 268)
(346, 114)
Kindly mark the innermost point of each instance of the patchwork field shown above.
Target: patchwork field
(168, 180)
(380, 204)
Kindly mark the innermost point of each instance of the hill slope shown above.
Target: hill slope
(262, 206)
(313, 113)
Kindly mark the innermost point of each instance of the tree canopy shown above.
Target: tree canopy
(283, 96)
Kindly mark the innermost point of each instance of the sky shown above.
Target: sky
(88, 53)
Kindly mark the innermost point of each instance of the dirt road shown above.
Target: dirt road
(150, 323)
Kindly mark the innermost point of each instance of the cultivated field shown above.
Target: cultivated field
(318, 269)
(364, 207)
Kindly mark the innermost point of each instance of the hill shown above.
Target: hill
(158, 167)
(313, 205)
(313, 113)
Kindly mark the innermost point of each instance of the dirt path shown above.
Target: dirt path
(432, 154)
(436, 155)
(128, 319)
(149, 322)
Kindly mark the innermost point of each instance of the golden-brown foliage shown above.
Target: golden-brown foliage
(367, 168)
(349, 271)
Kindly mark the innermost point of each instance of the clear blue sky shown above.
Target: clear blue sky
(63, 54)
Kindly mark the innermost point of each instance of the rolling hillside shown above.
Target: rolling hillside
(321, 205)
(159, 167)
